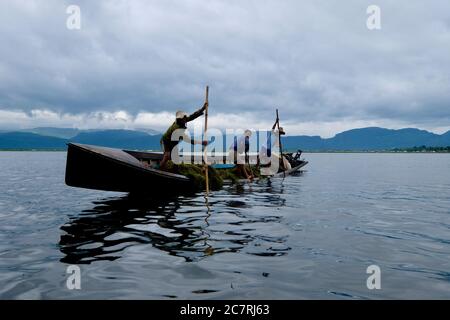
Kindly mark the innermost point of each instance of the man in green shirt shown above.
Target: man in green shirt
(182, 118)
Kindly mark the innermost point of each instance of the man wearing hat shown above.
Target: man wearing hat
(269, 140)
(267, 151)
(242, 146)
(182, 118)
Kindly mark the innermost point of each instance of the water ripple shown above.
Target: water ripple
(308, 236)
(113, 224)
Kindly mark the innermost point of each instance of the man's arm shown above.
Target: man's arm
(197, 113)
(275, 124)
(190, 140)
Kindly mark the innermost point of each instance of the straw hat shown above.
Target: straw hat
(181, 114)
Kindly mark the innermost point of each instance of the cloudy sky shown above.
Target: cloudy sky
(134, 63)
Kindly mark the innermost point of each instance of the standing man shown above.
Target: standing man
(242, 146)
(266, 152)
(182, 118)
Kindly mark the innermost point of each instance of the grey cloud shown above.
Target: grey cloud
(315, 61)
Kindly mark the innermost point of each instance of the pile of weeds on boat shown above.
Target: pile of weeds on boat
(196, 173)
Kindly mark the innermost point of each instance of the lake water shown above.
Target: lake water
(308, 236)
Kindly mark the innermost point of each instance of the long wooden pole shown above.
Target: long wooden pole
(205, 137)
(281, 146)
(279, 137)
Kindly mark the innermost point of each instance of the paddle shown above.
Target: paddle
(205, 157)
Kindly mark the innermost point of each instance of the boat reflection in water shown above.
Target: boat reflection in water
(180, 226)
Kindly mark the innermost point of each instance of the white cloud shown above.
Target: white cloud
(13, 120)
(136, 62)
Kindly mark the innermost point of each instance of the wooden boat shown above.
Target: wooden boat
(109, 169)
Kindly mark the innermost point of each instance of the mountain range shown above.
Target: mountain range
(372, 138)
(363, 139)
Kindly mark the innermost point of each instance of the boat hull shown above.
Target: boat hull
(114, 170)
(109, 169)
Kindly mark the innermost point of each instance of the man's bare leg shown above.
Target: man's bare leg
(243, 171)
(248, 173)
(163, 163)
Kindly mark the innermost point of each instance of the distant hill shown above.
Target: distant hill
(363, 139)
(125, 139)
(27, 140)
(65, 133)
(68, 133)
(372, 138)
(149, 131)
(446, 135)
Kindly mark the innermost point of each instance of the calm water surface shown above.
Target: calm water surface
(310, 236)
